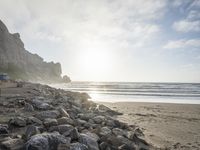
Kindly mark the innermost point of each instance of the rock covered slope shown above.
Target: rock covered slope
(38, 117)
(21, 64)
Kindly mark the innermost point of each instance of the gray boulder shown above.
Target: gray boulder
(38, 104)
(53, 114)
(17, 121)
(61, 128)
(89, 141)
(28, 107)
(105, 131)
(63, 112)
(65, 120)
(45, 141)
(50, 122)
(3, 129)
(33, 120)
(12, 144)
(78, 146)
(99, 119)
(118, 131)
(30, 131)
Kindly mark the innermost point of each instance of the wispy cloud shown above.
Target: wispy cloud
(187, 26)
(191, 21)
(183, 43)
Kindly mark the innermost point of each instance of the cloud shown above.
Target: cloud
(183, 43)
(84, 21)
(187, 26)
(191, 21)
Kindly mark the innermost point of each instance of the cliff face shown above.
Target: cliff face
(21, 64)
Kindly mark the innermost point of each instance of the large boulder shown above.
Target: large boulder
(78, 146)
(50, 122)
(89, 141)
(99, 119)
(3, 129)
(53, 114)
(61, 128)
(105, 131)
(45, 141)
(38, 104)
(12, 144)
(65, 120)
(17, 121)
(30, 131)
(63, 112)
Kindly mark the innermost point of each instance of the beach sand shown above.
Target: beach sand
(166, 126)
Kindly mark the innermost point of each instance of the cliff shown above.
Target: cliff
(21, 64)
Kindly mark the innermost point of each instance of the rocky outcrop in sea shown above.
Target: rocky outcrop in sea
(39, 117)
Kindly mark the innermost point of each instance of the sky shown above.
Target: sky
(112, 40)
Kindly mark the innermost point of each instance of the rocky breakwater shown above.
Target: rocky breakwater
(38, 117)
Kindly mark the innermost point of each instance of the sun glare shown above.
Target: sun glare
(95, 62)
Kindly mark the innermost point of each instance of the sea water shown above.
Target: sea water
(137, 91)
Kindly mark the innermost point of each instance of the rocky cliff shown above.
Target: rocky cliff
(21, 64)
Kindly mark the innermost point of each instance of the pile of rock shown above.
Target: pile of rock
(61, 120)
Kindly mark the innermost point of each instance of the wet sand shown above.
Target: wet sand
(166, 126)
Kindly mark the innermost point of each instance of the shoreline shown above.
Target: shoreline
(148, 102)
(165, 125)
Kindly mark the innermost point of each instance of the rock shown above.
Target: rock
(61, 128)
(65, 146)
(65, 120)
(121, 125)
(63, 113)
(12, 144)
(53, 114)
(99, 119)
(118, 131)
(22, 64)
(126, 141)
(105, 131)
(66, 79)
(141, 143)
(112, 140)
(50, 122)
(139, 132)
(89, 141)
(17, 121)
(41, 105)
(80, 122)
(78, 146)
(86, 116)
(126, 147)
(110, 123)
(3, 129)
(74, 134)
(92, 135)
(30, 131)
(45, 141)
(108, 111)
(28, 107)
(104, 146)
(33, 120)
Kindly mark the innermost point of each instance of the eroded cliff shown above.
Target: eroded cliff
(21, 64)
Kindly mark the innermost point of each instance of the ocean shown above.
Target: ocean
(137, 91)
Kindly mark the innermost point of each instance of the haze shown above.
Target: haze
(112, 40)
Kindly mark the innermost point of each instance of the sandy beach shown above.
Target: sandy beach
(167, 126)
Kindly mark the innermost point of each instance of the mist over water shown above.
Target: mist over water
(137, 92)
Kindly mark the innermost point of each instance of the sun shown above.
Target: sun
(95, 62)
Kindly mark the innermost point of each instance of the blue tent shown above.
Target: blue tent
(4, 76)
